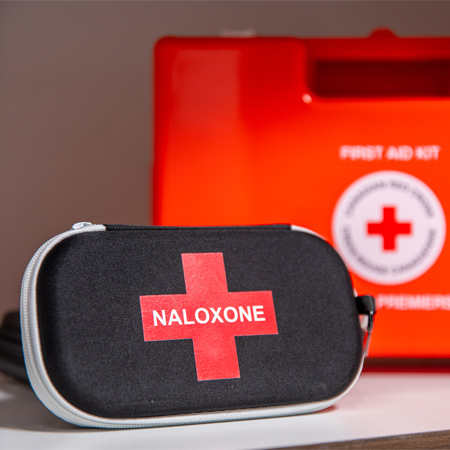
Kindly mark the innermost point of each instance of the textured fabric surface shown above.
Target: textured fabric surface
(92, 333)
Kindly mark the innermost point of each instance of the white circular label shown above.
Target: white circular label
(389, 227)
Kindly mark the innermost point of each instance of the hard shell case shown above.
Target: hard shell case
(128, 326)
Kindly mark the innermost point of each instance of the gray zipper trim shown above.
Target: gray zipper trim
(51, 398)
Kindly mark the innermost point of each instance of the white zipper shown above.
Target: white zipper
(36, 371)
(52, 399)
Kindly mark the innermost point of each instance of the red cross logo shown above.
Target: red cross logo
(209, 315)
(389, 228)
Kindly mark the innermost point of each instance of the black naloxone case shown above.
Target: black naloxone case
(148, 326)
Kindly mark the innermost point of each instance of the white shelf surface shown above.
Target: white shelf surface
(380, 404)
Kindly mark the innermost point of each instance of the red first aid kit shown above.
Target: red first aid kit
(348, 137)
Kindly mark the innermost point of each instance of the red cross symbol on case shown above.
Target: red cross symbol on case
(389, 228)
(210, 315)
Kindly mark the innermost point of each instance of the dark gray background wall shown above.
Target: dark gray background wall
(76, 100)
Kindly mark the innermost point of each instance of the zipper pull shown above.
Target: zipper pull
(366, 305)
(79, 225)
